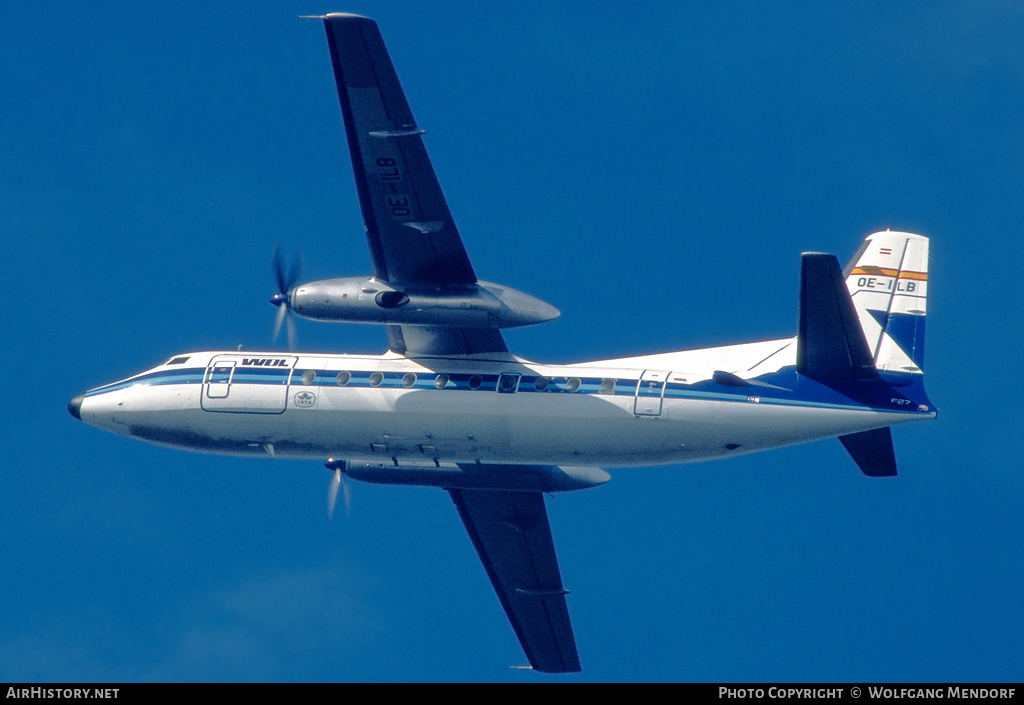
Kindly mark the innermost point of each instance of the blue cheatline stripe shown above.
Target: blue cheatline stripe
(184, 376)
(708, 390)
(260, 375)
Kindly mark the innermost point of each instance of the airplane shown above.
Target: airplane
(449, 406)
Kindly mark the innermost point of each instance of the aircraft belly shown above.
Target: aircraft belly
(485, 427)
(710, 429)
(173, 415)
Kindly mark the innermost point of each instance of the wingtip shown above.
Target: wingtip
(336, 16)
(344, 16)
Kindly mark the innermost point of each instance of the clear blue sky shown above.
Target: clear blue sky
(653, 170)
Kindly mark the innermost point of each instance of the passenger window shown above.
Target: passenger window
(508, 383)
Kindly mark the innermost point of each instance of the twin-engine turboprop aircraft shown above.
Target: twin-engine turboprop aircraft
(448, 406)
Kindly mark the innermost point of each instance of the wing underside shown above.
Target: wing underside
(414, 244)
(511, 534)
(412, 237)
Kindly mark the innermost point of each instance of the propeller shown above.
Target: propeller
(285, 283)
(338, 481)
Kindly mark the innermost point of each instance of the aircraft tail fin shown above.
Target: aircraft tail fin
(865, 321)
(888, 282)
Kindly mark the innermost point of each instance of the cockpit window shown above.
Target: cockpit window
(180, 360)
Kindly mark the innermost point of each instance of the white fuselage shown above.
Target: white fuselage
(482, 409)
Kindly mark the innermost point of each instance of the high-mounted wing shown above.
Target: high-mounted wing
(511, 534)
(413, 240)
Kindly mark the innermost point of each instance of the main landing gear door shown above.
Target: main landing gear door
(247, 384)
(650, 391)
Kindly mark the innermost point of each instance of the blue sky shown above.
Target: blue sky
(654, 172)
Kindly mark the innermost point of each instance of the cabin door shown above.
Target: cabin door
(650, 390)
(247, 384)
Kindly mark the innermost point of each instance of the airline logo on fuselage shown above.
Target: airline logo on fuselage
(264, 362)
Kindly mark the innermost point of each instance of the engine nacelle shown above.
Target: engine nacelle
(514, 478)
(368, 300)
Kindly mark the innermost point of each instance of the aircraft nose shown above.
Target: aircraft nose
(75, 406)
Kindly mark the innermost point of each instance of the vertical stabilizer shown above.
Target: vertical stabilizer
(888, 281)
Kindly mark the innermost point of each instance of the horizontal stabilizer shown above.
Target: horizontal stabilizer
(872, 451)
(830, 343)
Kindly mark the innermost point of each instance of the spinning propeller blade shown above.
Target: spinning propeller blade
(282, 299)
(338, 481)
